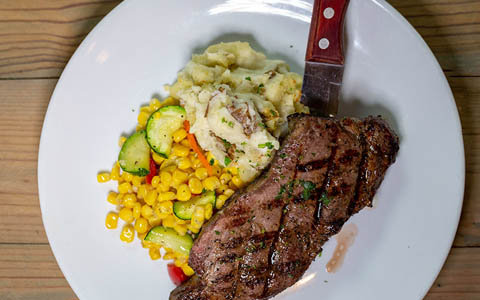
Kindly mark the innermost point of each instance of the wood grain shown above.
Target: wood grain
(38, 37)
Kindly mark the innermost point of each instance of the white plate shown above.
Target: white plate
(141, 45)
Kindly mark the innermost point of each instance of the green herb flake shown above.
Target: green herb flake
(212, 161)
(226, 144)
(217, 232)
(324, 199)
(262, 125)
(263, 230)
(224, 120)
(227, 160)
(248, 78)
(268, 145)
(320, 254)
(308, 187)
(230, 124)
(243, 143)
(259, 89)
(273, 113)
(283, 155)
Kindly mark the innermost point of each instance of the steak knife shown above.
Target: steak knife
(324, 60)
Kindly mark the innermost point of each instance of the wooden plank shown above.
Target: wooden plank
(451, 28)
(38, 41)
(30, 271)
(37, 38)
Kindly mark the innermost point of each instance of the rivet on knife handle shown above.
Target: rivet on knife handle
(324, 58)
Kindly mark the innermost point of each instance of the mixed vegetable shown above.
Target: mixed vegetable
(167, 186)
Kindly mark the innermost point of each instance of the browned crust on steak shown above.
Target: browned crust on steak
(266, 236)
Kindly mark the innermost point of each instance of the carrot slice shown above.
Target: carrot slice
(196, 148)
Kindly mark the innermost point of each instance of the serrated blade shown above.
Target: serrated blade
(321, 87)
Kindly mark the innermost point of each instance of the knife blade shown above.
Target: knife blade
(324, 59)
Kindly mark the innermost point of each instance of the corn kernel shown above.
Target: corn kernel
(185, 143)
(232, 185)
(154, 104)
(221, 189)
(126, 214)
(165, 177)
(141, 225)
(139, 127)
(121, 140)
(193, 228)
(141, 236)
(208, 211)
(127, 176)
(220, 201)
(169, 221)
(216, 171)
(229, 192)
(137, 181)
(201, 173)
(155, 181)
(111, 221)
(154, 220)
(146, 109)
(124, 187)
(169, 168)
(237, 181)
(115, 173)
(180, 229)
(179, 135)
(166, 196)
(195, 185)
(211, 183)
(225, 178)
(120, 199)
(103, 177)
(180, 221)
(151, 197)
(232, 170)
(180, 150)
(187, 270)
(198, 216)
(147, 211)
(148, 244)
(183, 193)
(112, 198)
(165, 207)
(154, 253)
(184, 163)
(197, 163)
(142, 191)
(137, 210)
(179, 177)
(169, 256)
(157, 158)
(180, 261)
(143, 118)
(129, 200)
(162, 187)
(128, 234)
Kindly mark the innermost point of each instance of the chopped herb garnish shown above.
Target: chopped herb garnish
(262, 244)
(263, 230)
(283, 155)
(320, 254)
(259, 89)
(282, 176)
(268, 154)
(223, 120)
(262, 125)
(227, 160)
(268, 145)
(226, 144)
(204, 190)
(232, 232)
(324, 199)
(230, 124)
(243, 143)
(314, 153)
(212, 161)
(217, 232)
(248, 78)
(308, 187)
(273, 113)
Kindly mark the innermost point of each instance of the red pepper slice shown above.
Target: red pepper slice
(153, 171)
(176, 274)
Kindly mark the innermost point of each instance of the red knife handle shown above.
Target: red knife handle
(325, 41)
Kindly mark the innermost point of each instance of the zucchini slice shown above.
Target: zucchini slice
(184, 210)
(161, 125)
(169, 238)
(134, 157)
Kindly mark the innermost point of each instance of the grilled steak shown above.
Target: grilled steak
(266, 236)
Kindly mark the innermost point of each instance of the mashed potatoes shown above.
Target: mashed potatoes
(237, 103)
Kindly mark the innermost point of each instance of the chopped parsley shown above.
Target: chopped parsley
(263, 230)
(248, 78)
(230, 124)
(259, 89)
(324, 199)
(262, 125)
(226, 144)
(224, 120)
(268, 145)
(273, 113)
(243, 143)
(308, 187)
(212, 161)
(217, 232)
(320, 254)
(283, 155)
(262, 245)
(227, 160)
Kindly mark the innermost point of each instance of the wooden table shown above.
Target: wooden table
(37, 37)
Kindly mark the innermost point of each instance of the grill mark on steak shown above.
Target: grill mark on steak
(314, 165)
(244, 273)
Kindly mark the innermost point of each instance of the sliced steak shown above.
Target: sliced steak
(266, 236)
